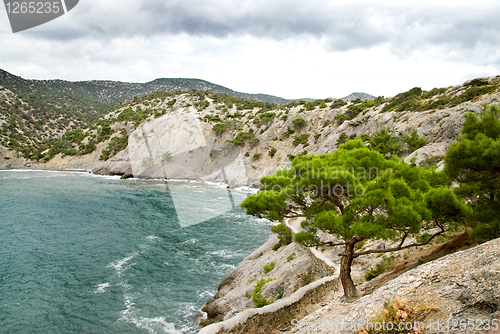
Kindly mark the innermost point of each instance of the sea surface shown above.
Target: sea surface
(89, 254)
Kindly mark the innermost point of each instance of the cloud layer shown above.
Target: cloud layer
(448, 31)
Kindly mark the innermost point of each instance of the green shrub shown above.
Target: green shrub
(272, 152)
(75, 136)
(300, 139)
(212, 118)
(256, 156)
(298, 123)
(386, 264)
(339, 117)
(167, 156)
(478, 83)
(241, 137)
(355, 109)
(284, 235)
(342, 139)
(115, 145)
(404, 101)
(254, 141)
(365, 137)
(220, 127)
(338, 104)
(414, 141)
(268, 267)
(386, 143)
(429, 161)
(433, 92)
(247, 154)
(471, 93)
(288, 132)
(257, 293)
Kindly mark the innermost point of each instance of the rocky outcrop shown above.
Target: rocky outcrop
(294, 268)
(279, 314)
(181, 145)
(117, 165)
(460, 286)
(444, 292)
(11, 159)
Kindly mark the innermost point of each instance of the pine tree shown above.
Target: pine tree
(356, 194)
(474, 163)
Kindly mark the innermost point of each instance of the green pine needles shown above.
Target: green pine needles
(356, 193)
(474, 163)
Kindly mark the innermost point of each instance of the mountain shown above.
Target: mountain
(34, 111)
(119, 91)
(358, 95)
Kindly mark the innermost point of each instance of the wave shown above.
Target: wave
(101, 288)
(118, 265)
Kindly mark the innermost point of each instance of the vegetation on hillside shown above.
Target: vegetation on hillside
(36, 128)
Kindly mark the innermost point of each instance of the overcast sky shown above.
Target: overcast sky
(287, 48)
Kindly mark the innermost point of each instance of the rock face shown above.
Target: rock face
(180, 145)
(293, 269)
(463, 285)
(10, 159)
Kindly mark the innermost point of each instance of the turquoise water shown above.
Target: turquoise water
(88, 254)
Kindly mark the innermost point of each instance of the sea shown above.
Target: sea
(81, 253)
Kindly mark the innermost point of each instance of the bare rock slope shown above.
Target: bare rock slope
(183, 144)
(458, 287)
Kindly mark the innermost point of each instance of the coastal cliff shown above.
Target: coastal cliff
(182, 142)
(458, 286)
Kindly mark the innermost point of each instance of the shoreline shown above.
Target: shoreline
(89, 171)
(41, 169)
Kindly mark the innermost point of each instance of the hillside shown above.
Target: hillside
(358, 95)
(257, 138)
(34, 114)
(119, 91)
(31, 113)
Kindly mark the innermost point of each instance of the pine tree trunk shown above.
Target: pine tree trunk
(350, 291)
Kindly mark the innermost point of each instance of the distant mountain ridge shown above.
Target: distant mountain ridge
(118, 91)
(358, 95)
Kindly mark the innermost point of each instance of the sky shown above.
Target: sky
(287, 48)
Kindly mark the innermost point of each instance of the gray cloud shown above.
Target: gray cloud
(404, 28)
(298, 46)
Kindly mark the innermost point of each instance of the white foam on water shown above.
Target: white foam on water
(125, 286)
(101, 288)
(205, 295)
(107, 177)
(157, 325)
(224, 253)
(151, 237)
(118, 265)
(189, 242)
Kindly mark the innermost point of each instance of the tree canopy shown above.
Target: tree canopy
(355, 193)
(474, 163)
